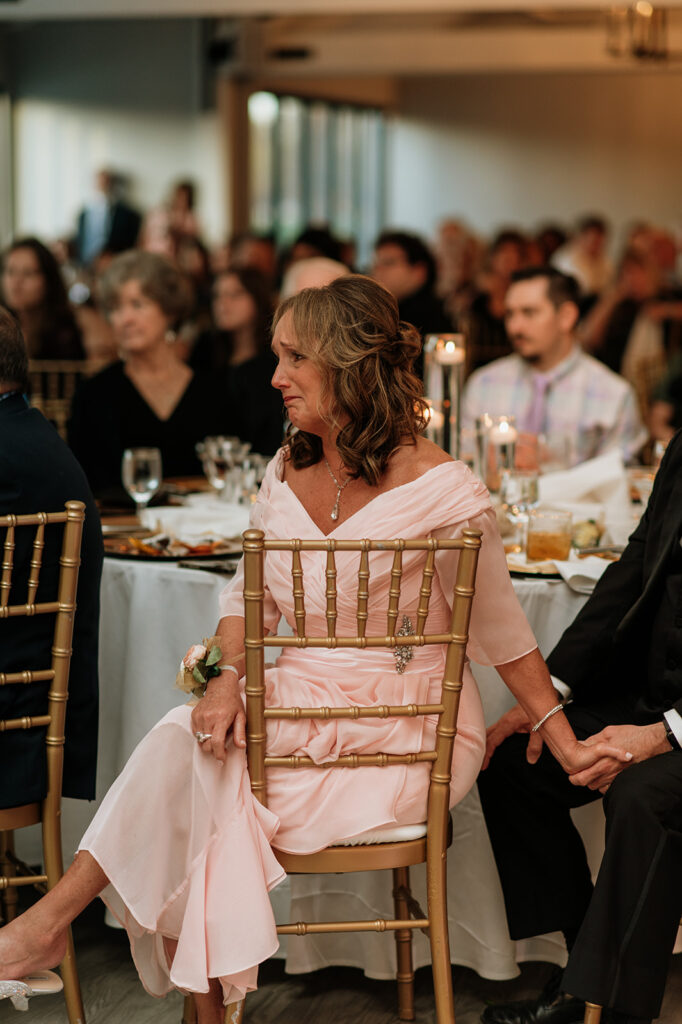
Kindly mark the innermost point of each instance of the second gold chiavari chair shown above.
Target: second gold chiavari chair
(435, 834)
(53, 385)
(62, 606)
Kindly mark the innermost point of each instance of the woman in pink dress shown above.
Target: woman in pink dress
(179, 850)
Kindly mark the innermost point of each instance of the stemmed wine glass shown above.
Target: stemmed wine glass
(141, 471)
(221, 458)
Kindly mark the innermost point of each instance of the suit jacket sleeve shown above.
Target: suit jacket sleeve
(588, 651)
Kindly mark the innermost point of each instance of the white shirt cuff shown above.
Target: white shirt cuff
(674, 720)
(565, 690)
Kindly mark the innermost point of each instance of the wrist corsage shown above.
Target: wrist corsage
(198, 666)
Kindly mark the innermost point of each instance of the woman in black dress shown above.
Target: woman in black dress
(237, 352)
(150, 397)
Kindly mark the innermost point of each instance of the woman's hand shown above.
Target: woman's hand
(642, 741)
(594, 762)
(218, 711)
(514, 720)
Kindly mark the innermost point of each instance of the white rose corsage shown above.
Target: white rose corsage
(198, 666)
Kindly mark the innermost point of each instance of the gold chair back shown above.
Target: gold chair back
(13, 873)
(53, 383)
(396, 855)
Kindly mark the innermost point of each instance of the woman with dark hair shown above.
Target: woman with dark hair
(237, 352)
(355, 464)
(150, 397)
(33, 289)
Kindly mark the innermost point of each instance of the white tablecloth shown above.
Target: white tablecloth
(150, 615)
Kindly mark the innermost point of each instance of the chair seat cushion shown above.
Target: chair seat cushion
(386, 834)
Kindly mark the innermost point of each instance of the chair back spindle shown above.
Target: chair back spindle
(440, 756)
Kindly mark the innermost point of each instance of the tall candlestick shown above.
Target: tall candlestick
(444, 358)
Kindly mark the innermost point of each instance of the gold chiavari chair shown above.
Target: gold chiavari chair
(53, 383)
(431, 846)
(13, 872)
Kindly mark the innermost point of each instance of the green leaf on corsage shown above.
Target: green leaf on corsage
(214, 656)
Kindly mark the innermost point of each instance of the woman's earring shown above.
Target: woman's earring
(170, 336)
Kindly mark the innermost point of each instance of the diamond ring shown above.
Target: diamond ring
(203, 736)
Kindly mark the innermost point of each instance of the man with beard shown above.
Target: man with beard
(549, 384)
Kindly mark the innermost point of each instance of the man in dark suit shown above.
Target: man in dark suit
(107, 224)
(38, 473)
(622, 659)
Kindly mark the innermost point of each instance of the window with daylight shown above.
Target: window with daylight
(316, 162)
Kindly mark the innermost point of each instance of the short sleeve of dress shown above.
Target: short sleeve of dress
(231, 599)
(498, 631)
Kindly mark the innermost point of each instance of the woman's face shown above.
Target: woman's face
(233, 306)
(298, 380)
(23, 284)
(138, 322)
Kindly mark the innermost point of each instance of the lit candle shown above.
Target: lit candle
(502, 433)
(435, 420)
(449, 354)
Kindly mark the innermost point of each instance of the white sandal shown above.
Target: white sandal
(40, 983)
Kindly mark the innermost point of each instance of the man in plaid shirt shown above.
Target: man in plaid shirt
(549, 384)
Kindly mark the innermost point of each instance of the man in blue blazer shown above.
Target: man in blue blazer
(38, 473)
(622, 661)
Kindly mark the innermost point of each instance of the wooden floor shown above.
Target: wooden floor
(113, 994)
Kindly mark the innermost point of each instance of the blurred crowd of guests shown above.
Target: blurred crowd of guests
(179, 334)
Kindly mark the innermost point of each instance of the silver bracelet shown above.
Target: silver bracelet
(230, 668)
(558, 707)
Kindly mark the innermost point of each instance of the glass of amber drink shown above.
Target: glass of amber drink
(549, 536)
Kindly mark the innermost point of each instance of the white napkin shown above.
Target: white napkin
(188, 523)
(582, 574)
(595, 489)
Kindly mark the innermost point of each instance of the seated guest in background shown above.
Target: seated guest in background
(404, 265)
(38, 473)
(249, 250)
(549, 384)
(33, 289)
(237, 354)
(107, 223)
(606, 329)
(665, 416)
(621, 660)
(150, 398)
(585, 258)
(487, 337)
(315, 241)
(315, 272)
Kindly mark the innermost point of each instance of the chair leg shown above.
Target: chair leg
(234, 1012)
(189, 1010)
(592, 1013)
(438, 937)
(10, 896)
(54, 869)
(403, 941)
(72, 988)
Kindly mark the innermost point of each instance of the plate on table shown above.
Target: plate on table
(518, 566)
(165, 548)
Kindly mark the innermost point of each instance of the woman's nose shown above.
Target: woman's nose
(278, 378)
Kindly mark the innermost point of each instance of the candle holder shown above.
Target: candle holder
(501, 438)
(444, 360)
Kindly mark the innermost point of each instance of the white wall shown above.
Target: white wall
(127, 95)
(155, 148)
(519, 149)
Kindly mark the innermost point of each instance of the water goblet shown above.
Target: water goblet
(141, 472)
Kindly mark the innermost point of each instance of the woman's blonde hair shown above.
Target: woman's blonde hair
(351, 331)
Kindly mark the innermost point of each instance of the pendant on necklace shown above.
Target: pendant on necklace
(334, 514)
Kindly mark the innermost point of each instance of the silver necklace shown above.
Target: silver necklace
(334, 514)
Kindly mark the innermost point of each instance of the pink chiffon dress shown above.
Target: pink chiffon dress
(188, 850)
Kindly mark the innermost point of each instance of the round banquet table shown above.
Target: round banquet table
(151, 613)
